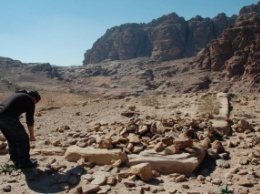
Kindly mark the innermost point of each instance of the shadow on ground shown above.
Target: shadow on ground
(207, 166)
(53, 181)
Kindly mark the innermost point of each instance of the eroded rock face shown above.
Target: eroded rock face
(236, 51)
(166, 38)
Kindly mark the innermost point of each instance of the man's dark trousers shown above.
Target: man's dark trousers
(17, 138)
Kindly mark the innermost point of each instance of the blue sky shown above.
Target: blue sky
(60, 31)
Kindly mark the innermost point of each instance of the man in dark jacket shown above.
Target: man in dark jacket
(13, 130)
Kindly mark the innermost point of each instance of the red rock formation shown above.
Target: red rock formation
(237, 50)
(166, 38)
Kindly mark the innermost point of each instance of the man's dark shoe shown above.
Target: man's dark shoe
(29, 164)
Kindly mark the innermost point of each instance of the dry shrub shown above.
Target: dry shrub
(209, 104)
(150, 100)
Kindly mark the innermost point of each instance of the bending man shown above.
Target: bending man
(13, 130)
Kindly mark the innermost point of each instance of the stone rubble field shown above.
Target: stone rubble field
(185, 143)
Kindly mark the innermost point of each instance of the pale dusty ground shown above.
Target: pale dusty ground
(80, 113)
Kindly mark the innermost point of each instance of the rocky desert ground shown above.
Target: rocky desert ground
(149, 121)
(87, 144)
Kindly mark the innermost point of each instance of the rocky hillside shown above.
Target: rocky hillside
(229, 63)
(15, 75)
(236, 53)
(166, 38)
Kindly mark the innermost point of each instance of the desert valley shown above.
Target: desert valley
(158, 119)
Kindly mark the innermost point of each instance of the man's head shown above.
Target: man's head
(34, 94)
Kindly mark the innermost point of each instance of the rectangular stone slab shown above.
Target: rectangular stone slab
(95, 155)
(183, 163)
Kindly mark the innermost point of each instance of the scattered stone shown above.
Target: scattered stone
(157, 128)
(159, 147)
(216, 181)
(87, 177)
(173, 149)
(242, 190)
(143, 170)
(137, 148)
(243, 161)
(111, 180)
(185, 186)
(129, 183)
(244, 125)
(100, 178)
(143, 129)
(217, 147)
(222, 163)
(7, 188)
(200, 178)
(180, 178)
(105, 143)
(193, 192)
(104, 189)
(245, 182)
(183, 143)
(228, 176)
(133, 138)
(89, 188)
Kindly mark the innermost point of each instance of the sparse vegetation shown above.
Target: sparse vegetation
(150, 100)
(210, 105)
(7, 168)
(231, 95)
(225, 190)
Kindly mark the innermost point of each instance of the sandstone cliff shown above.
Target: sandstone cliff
(236, 53)
(166, 38)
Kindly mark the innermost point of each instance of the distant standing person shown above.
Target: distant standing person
(17, 138)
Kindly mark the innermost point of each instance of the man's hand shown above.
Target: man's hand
(32, 138)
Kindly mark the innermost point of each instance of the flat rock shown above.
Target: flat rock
(222, 127)
(183, 163)
(49, 152)
(89, 188)
(95, 155)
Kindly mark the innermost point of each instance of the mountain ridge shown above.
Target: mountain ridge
(166, 38)
(229, 63)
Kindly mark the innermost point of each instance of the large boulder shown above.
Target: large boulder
(184, 163)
